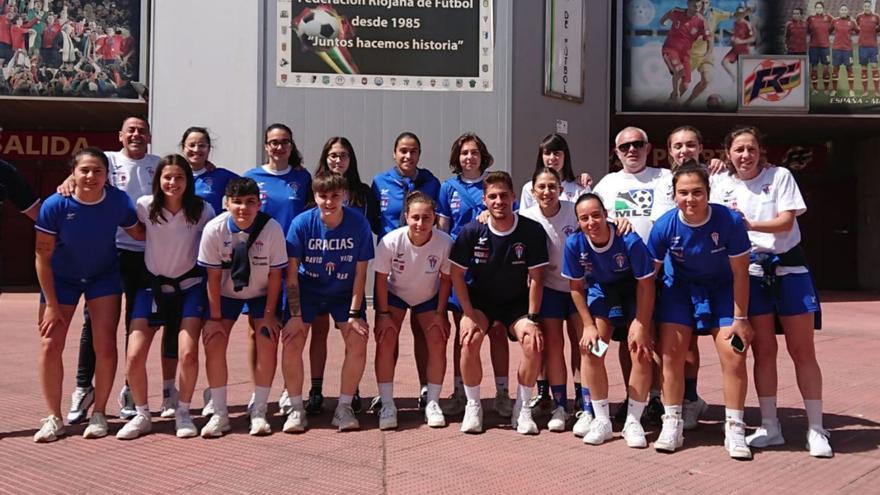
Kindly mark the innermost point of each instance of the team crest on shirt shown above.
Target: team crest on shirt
(715, 237)
(258, 247)
(209, 181)
(294, 190)
(519, 250)
(765, 188)
(620, 260)
(330, 267)
(569, 229)
(433, 262)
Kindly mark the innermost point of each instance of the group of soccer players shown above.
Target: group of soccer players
(646, 260)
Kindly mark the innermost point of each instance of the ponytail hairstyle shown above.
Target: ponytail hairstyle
(295, 160)
(193, 206)
(356, 196)
(591, 196)
(419, 197)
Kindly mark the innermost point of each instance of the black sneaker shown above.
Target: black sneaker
(356, 405)
(541, 405)
(654, 411)
(423, 399)
(315, 405)
(622, 409)
(578, 402)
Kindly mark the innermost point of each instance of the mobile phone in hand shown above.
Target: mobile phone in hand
(599, 349)
(737, 343)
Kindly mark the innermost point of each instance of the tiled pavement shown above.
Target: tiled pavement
(416, 459)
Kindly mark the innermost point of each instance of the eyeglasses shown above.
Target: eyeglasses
(337, 156)
(279, 143)
(623, 148)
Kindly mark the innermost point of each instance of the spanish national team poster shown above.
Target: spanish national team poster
(439, 45)
(685, 55)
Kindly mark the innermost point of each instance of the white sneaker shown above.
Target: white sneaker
(216, 426)
(582, 425)
(600, 431)
(558, 419)
(208, 408)
(767, 435)
(284, 403)
(388, 417)
(184, 425)
(97, 426)
(671, 434)
(139, 425)
(126, 404)
(523, 421)
(691, 412)
(735, 440)
(259, 425)
(345, 419)
(51, 429)
(296, 421)
(457, 402)
(634, 435)
(503, 405)
(80, 401)
(473, 418)
(434, 415)
(169, 403)
(817, 443)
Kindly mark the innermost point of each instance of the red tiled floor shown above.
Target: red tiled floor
(416, 459)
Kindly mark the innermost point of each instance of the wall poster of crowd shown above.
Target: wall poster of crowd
(440, 45)
(70, 48)
(684, 55)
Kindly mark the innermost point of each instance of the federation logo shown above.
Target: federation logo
(330, 267)
(433, 261)
(620, 259)
(772, 80)
(519, 249)
(569, 229)
(715, 237)
(258, 247)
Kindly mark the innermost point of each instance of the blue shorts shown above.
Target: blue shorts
(620, 310)
(556, 304)
(423, 307)
(337, 307)
(867, 55)
(796, 295)
(841, 57)
(68, 291)
(674, 305)
(819, 55)
(231, 308)
(195, 304)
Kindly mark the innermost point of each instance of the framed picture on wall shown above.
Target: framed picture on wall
(773, 83)
(564, 49)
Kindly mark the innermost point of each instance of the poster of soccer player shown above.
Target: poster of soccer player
(440, 45)
(70, 48)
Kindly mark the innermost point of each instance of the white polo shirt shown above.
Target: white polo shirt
(558, 227)
(172, 245)
(269, 251)
(413, 271)
(135, 177)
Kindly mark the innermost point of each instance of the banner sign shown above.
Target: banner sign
(78, 49)
(16, 146)
(684, 55)
(564, 49)
(440, 45)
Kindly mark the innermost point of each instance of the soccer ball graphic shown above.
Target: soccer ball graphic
(316, 24)
(714, 102)
(643, 198)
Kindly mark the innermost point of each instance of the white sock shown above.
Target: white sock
(500, 382)
(143, 410)
(459, 383)
(814, 413)
(218, 395)
(600, 409)
(261, 396)
(673, 410)
(168, 385)
(768, 408)
(182, 408)
(523, 393)
(434, 390)
(634, 410)
(296, 401)
(386, 392)
(472, 393)
(734, 414)
(344, 400)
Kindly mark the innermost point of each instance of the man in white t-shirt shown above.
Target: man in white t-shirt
(641, 195)
(131, 170)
